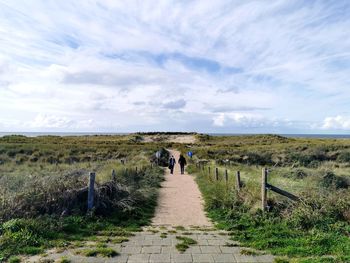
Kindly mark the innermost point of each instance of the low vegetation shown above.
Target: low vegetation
(317, 229)
(99, 251)
(43, 192)
(185, 243)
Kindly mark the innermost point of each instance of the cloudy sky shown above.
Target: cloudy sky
(279, 66)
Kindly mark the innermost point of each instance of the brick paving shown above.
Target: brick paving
(213, 246)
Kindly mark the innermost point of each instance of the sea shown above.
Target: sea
(36, 134)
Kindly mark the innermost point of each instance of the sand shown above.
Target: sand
(180, 202)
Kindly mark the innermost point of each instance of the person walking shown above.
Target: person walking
(172, 163)
(182, 162)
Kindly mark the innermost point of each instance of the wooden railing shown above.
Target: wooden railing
(265, 186)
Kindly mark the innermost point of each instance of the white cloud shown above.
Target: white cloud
(219, 120)
(129, 65)
(336, 123)
(44, 121)
(240, 120)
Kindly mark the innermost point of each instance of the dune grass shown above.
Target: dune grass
(42, 198)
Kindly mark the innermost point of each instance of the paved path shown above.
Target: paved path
(147, 246)
(180, 202)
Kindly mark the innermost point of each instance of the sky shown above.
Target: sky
(280, 66)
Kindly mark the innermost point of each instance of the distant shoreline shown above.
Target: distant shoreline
(63, 134)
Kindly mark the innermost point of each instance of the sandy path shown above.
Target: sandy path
(180, 202)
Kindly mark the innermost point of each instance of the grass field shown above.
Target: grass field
(43, 190)
(317, 229)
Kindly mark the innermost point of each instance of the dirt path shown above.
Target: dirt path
(180, 202)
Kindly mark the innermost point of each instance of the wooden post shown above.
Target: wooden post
(91, 193)
(263, 189)
(238, 181)
(217, 174)
(226, 176)
(282, 192)
(114, 176)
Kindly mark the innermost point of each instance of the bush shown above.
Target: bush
(344, 157)
(329, 179)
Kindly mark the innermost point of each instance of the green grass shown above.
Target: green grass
(99, 251)
(314, 228)
(182, 247)
(119, 240)
(250, 252)
(185, 243)
(14, 259)
(34, 236)
(64, 260)
(163, 235)
(180, 228)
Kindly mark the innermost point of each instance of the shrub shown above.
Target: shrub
(329, 179)
(344, 157)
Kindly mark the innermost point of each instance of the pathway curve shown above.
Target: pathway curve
(180, 202)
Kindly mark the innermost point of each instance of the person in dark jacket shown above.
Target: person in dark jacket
(172, 163)
(182, 162)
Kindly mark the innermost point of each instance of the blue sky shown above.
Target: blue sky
(206, 66)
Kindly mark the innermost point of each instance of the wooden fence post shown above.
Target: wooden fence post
(114, 176)
(91, 192)
(263, 189)
(217, 174)
(238, 181)
(226, 176)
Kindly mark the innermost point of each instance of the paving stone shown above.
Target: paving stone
(146, 242)
(193, 250)
(216, 242)
(224, 258)
(265, 258)
(137, 238)
(232, 250)
(202, 258)
(202, 242)
(151, 249)
(164, 242)
(160, 258)
(131, 250)
(210, 249)
(138, 258)
(153, 237)
(181, 258)
(169, 250)
(118, 259)
(200, 236)
(90, 260)
(245, 259)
